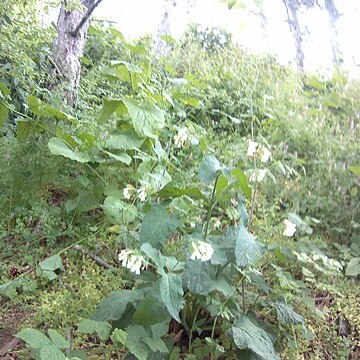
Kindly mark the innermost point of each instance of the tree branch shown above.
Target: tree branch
(85, 18)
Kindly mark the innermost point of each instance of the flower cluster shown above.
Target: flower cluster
(130, 192)
(182, 137)
(201, 250)
(257, 151)
(132, 260)
(290, 228)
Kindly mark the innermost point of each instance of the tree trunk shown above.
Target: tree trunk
(333, 17)
(294, 25)
(69, 46)
(167, 15)
(164, 28)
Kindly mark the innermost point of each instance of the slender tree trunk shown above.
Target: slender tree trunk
(294, 25)
(164, 28)
(169, 7)
(333, 17)
(70, 44)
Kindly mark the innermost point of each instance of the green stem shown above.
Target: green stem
(212, 338)
(192, 327)
(243, 293)
(210, 209)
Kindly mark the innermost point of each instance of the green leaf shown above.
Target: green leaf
(196, 277)
(171, 293)
(258, 280)
(146, 120)
(158, 225)
(150, 312)
(286, 314)
(52, 263)
(247, 249)
(124, 158)
(50, 352)
(242, 182)
(119, 337)
(58, 340)
(58, 147)
(41, 109)
(78, 354)
(109, 107)
(170, 191)
(114, 305)
(355, 169)
(4, 114)
(4, 90)
(135, 335)
(353, 267)
(23, 128)
(119, 212)
(208, 170)
(129, 141)
(101, 328)
(34, 338)
(248, 335)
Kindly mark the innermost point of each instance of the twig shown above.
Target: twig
(85, 18)
(94, 257)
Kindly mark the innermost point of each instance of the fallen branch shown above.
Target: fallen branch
(94, 257)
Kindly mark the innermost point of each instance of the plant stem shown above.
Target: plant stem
(192, 327)
(210, 208)
(212, 338)
(243, 293)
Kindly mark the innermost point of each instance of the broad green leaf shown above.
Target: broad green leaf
(170, 191)
(243, 182)
(258, 280)
(155, 256)
(119, 337)
(58, 340)
(123, 70)
(223, 285)
(286, 314)
(58, 147)
(248, 335)
(124, 158)
(224, 247)
(101, 328)
(247, 248)
(50, 352)
(353, 267)
(4, 90)
(209, 168)
(34, 338)
(114, 305)
(150, 311)
(109, 107)
(171, 293)
(52, 263)
(77, 354)
(41, 109)
(220, 190)
(191, 102)
(135, 336)
(4, 114)
(23, 128)
(127, 141)
(355, 169)
(146, 120)
(157, 227)
(119, 212)
(196, 277)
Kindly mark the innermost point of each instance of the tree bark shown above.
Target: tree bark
(69, 46)
(294, 25)
(333, 17)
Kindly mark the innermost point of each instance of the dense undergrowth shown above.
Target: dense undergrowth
(156, 164)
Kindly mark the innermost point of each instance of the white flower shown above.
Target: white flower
(181, 137)
(252, 145)
(131, 260)
(142, 192)
(258, 175)
(128, 191)
(290, 228)
(201, 250)
(217, 223)
(264, 154)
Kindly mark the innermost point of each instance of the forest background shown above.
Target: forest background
(176, 198)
